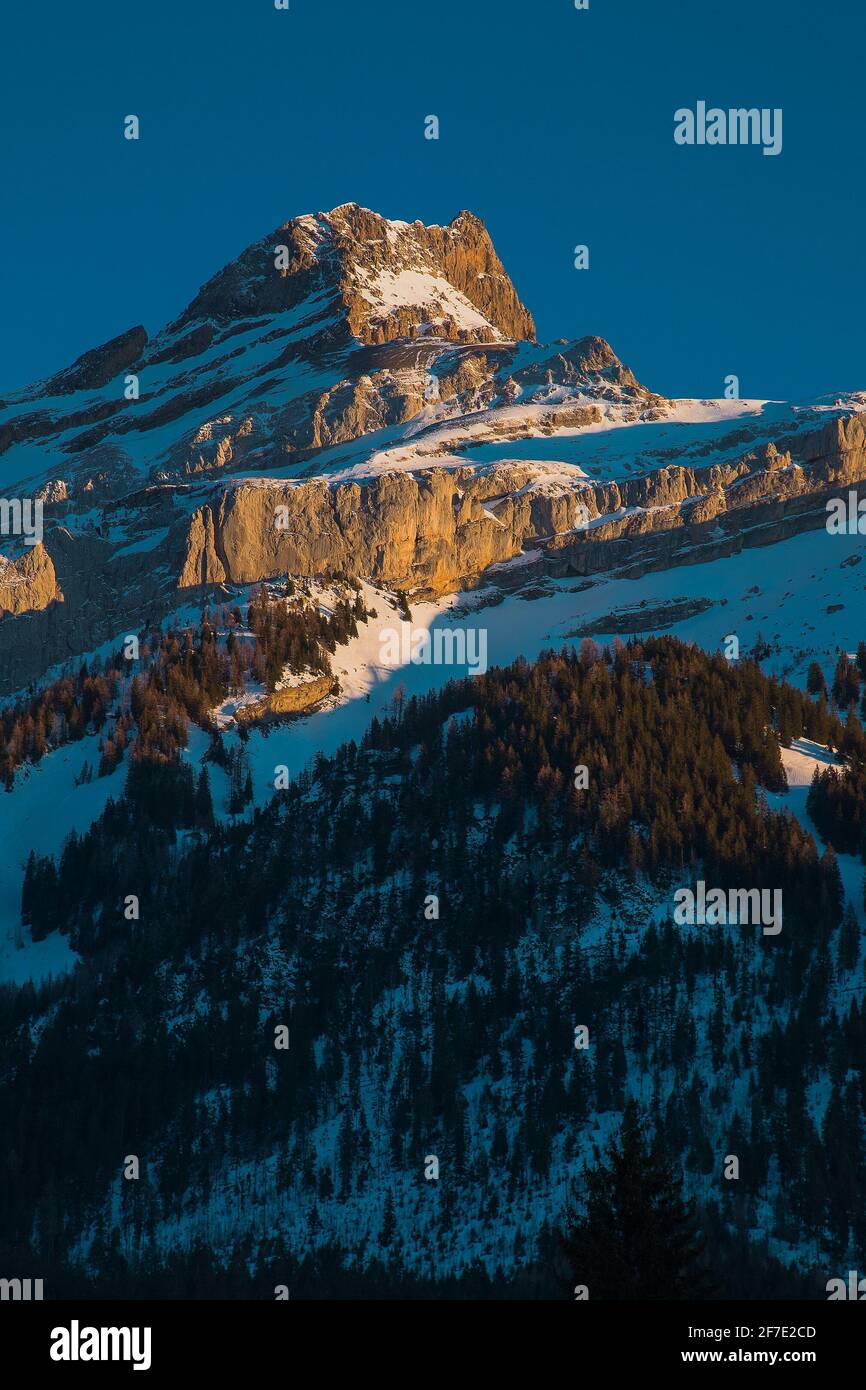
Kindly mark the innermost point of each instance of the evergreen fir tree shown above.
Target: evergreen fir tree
(815, 683)
(203, 802)
(637, 1237)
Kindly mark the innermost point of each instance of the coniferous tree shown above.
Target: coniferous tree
(203, 804)
(815, 682)
(637, 1236)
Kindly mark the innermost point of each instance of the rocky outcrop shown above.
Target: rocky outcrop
(29, 583)
(461, 254)
(586, 359)
(81, 595)
(100, 365)
(292, 699)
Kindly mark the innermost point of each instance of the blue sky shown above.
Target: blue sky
(556, 128)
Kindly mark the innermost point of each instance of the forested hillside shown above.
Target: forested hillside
(434, 916)
(151, 689)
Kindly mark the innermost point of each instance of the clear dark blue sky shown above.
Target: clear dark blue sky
(556, 128)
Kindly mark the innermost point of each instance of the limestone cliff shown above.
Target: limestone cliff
(433, 528)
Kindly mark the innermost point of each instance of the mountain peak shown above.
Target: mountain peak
(383, 279)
